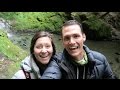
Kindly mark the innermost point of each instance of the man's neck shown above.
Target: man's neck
(81, 56)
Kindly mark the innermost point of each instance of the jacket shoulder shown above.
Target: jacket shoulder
(99, 57)
(95, 55)
(19, 75)
(58, 57)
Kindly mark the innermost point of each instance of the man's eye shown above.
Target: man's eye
(66, 38)
(76, 36)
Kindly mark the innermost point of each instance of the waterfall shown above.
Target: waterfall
(5, 26)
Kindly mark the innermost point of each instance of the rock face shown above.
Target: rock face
(111, 19)
(115, 34)
(116, 66)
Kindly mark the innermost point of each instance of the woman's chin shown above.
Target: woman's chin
(45, 62)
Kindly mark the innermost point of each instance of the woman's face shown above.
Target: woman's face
(43, 50)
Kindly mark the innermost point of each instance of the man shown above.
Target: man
(77, 61)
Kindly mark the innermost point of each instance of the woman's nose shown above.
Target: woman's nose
(44, 50)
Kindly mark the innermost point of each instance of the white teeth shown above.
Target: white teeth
(43, 56)
(72, 48)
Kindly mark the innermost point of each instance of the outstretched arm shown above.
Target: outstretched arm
(52, 71)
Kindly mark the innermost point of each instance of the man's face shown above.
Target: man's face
(73, 40)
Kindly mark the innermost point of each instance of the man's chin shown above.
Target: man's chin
(74, 54)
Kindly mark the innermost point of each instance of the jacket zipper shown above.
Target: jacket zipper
(83, 77)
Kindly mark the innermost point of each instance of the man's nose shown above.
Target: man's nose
(72, 41)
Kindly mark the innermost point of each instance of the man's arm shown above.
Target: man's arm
(108, 73)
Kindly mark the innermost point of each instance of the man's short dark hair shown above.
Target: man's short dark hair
(73, 22)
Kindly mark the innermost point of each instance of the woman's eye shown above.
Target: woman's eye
(47, 46)
(39, 47)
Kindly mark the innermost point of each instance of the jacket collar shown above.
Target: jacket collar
(29, 65)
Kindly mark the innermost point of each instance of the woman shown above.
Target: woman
(41, 51)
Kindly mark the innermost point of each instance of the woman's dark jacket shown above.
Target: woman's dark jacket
(62, 67)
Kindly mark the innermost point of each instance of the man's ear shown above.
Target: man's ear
(84, 37)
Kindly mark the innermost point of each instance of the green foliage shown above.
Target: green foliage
(3, 34)
(94, 23)
(10, 50)
(39, 21)
(8, 15)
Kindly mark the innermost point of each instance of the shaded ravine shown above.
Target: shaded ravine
(111, 49)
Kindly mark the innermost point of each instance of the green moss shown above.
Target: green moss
(99, 29)
(39, 20)
(10, 50)
(12, 53)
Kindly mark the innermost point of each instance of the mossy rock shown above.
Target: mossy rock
(2, 34)
(96, 29)
(11, 51)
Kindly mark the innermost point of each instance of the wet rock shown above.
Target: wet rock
(115, 34)
(117, 53)
(117, 59)
(111, 63)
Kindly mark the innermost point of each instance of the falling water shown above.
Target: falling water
(5, 26)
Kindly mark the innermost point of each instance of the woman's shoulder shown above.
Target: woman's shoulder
(19, 75)
(26, 63)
